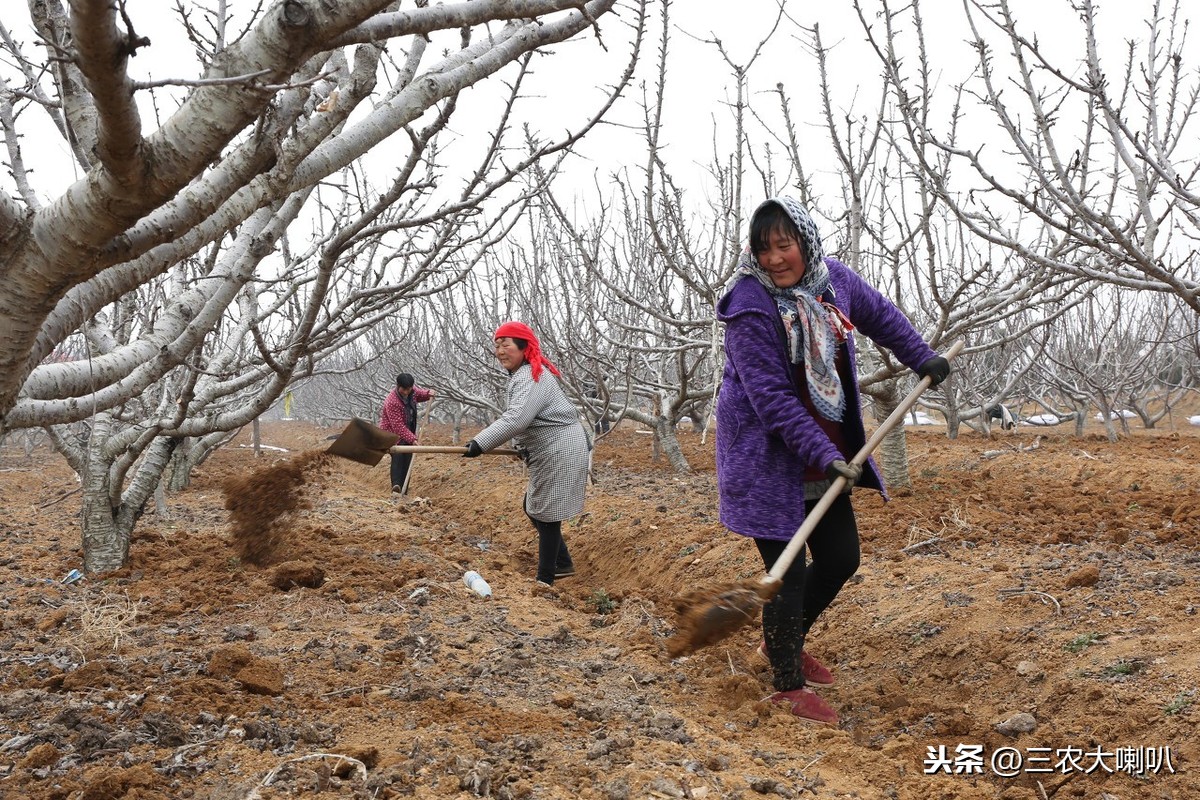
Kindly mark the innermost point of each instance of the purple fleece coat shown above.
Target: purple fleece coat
(765, 436)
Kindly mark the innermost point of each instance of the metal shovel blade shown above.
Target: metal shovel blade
(363, 442)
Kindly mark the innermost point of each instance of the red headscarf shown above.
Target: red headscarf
(533, 348)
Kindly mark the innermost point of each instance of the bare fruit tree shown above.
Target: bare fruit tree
(1113, 352)
(196, 270)
(1084, 169)
(1165, 374)
(642, 270)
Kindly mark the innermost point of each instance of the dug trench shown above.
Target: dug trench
(1036, 598)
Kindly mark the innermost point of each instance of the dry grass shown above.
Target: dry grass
(105, 620)
(954, 524)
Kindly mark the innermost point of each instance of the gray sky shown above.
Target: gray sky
(699, 81)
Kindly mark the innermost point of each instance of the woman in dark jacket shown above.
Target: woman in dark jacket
(399, 416)
(788, 422)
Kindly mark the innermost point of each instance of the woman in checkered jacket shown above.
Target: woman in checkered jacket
(545, 426)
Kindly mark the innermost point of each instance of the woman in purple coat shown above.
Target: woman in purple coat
(788, 422)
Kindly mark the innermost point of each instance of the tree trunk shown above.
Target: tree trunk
(664, 438)
(985, 423)
(953, 425)
(1106, 417)
(29, 441)
(953, 420)
(893, 450)
(105, 541)
(1080, 418)
(1143, 413)
(179, 471)
(459, 413)
(160, 499)
(109, 515)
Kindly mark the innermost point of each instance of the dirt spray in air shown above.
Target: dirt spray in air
(258, 502)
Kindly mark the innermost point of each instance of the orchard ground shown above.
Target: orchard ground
(1036, 602)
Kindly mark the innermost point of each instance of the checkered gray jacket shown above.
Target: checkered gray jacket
(544, 424)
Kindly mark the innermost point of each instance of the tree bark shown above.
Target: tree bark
(893, 450)
(109, 515)
(953, 421)
(664, 435)
(105, 544)
(1080, 417)
(179, 471)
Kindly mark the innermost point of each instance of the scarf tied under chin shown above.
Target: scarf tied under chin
(814, 327)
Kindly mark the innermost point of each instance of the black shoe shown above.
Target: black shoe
(564, 572)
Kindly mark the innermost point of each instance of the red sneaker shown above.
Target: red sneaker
(806, 704)
(815, 672)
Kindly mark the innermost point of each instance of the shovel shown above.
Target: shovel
(708, 616)
(424, 424)
(365, 443)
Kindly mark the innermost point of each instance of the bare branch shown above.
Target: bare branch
(103, 54)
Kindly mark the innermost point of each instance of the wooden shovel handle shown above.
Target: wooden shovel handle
(813, 517)
(448, 448)
(424, 424)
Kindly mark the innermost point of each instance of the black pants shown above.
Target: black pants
(553, 555)
(400, 464)
(807, 589)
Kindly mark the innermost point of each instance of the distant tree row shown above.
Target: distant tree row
(1062, 319)
(308, 220)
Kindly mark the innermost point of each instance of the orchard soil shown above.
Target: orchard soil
(322, 643)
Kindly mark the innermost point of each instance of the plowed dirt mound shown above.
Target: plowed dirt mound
(1035, 602)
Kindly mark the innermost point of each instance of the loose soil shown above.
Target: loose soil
(323, 644)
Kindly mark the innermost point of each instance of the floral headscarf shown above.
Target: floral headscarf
(814, 328)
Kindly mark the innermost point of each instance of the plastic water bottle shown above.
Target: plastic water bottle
(477, 584)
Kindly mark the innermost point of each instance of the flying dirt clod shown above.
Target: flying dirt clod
(709, 615)
(257, 503)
